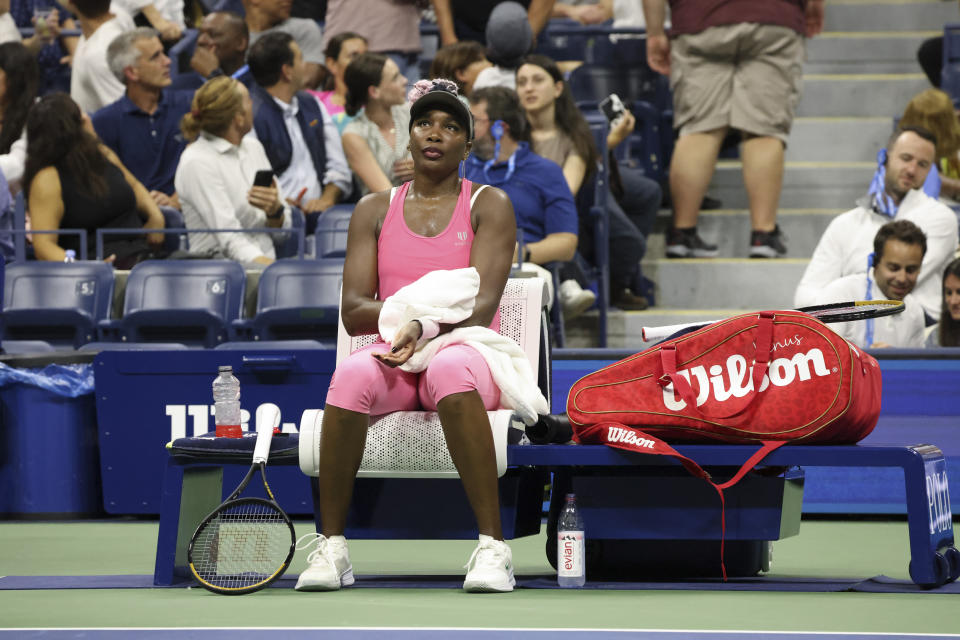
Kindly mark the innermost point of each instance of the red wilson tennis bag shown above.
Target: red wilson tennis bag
(770, 378)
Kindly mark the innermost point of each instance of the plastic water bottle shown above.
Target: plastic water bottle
(71, 256)
(571, 562)
(226, 401)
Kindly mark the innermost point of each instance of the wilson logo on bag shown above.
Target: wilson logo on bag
(769, 378)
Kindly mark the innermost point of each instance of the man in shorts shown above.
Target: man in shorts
(732, 64)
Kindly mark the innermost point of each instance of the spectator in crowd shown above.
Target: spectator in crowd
(561, 134)
(898, 249)
(716, 60)
(300, 139)
(419, 225)
(264, 16)
(142, 127)
(946, 333)
(166, 16)
(933, 110)
(341, 50)
(46, 43)
(509, 39)
(467, 19)
(461, 62)
(221, 51)
(216, 173)
(18, 90)
(311, 9)
(894, 194)
(92, 84)
(542, 203)
(376, 141)
(74, 182)
(390, 27)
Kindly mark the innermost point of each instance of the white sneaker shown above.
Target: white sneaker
(574, 299)
(329, 564)
(490, 568)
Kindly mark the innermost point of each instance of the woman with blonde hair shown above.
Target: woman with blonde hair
(215, 177)
(934, 111)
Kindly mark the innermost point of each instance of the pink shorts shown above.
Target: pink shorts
(363, 384)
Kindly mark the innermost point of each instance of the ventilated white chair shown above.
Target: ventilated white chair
(410, 444)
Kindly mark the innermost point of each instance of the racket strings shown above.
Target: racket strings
(241, 546)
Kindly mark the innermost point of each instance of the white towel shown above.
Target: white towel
(449, 297)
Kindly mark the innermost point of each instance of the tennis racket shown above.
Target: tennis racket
(246, 543)
(826, 313)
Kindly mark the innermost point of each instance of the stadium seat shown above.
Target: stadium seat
(181, 52)
(950, 74)
(191, 302)
(287, 248)
(296, 300)
(58, 303)
(330, 239)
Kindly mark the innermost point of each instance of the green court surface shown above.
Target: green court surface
(823, 549)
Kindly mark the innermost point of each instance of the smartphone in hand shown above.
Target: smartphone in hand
(263, 178)
(612, 107)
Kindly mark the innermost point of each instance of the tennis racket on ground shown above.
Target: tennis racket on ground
(826, 313)
(246, 543)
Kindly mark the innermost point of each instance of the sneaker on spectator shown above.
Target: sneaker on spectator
(490, 568)
(329, 564)
(687, 243)
(574, 300)
(627, 300)
(767, 244)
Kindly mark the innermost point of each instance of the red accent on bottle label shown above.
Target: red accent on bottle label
(229, 431)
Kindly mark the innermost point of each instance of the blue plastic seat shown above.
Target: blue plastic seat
(191, 302)
(58, 303)
(331, 235)
(950, 73)
(297, 300)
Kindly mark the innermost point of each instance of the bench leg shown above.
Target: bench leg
(189, 494)
(934, 560)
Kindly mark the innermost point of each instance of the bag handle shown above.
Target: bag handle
(621, 436)
(761, 358)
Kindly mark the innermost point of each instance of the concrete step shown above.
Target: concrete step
(624, 328)
(861, 94)
(725, 283)
(806, 185)
(866, 51)
(838, 139)
(874, 15)
(730, 231)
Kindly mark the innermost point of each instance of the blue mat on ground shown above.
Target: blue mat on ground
(877, 584)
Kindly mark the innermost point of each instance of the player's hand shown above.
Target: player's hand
(403, 346)
(658, 53)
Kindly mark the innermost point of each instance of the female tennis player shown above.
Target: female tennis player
(436, 221)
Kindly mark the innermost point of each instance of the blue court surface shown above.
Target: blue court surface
(379, 633)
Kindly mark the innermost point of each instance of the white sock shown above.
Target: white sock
(337, 540)
(486, 538)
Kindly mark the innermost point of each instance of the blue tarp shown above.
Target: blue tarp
(67, 380)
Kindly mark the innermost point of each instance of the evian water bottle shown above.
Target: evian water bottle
(571, 564)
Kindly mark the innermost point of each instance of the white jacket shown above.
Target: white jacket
(847, 242)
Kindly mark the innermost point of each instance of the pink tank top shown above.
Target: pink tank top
(404, 256)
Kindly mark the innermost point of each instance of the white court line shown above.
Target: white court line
(503, 629)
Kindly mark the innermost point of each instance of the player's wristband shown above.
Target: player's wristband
(429, 329)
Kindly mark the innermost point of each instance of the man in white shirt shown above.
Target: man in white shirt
(216, 173)
(897, 256)
(845, 245)
(92, 83)
(296, 131)
(266, 16)
(166, 16)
